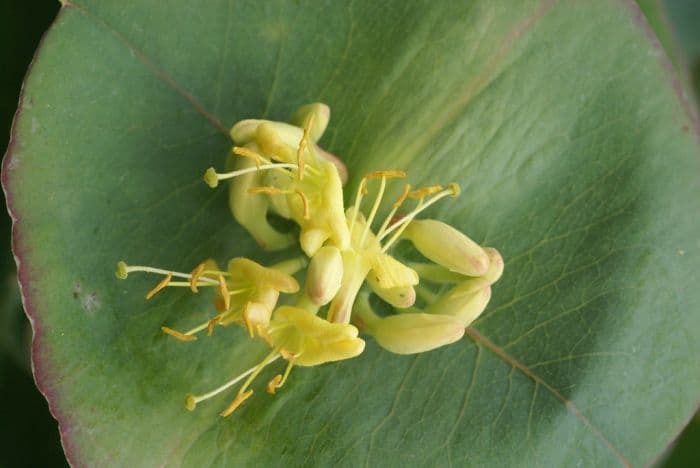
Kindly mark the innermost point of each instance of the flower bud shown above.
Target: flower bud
(448, 247)
(324, 275)
(321, 114)
(495, 265)
(464, 302)
(415, 333)
(400, 297)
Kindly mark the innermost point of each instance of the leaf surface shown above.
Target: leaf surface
(577, 158)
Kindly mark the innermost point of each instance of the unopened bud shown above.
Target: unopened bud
(464, 302)
(324, 275)
(400, 297)
(448, 247)
(321, 114)
(415, 333)
(495, 265)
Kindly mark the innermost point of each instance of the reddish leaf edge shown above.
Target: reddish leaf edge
(40, 369)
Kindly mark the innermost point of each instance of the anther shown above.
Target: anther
(274, 384)
(177, 334)
(387, 174)
(196, 273)
(159, 286)
(240, 398)
(223, 291)
(425, 191)
(212, 323)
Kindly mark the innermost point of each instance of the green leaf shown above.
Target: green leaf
(577, 158)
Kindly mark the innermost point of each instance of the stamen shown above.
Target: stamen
(197, 329)
(223, 291)
(361, 190)
(394, 207)
(160, 286)
(192, 400)
(400, 225)
(273, 384)
(212, 323)
(178, 335)
(123, 269)
(268, 359)
(375, 207)
(240, 398)
(248, 153)
(305, 201)
(403, 196)
(195, 277)
(212, 178)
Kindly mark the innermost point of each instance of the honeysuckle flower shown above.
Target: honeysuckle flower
(469, 298)
(305, 184)
(247, 292)
(278, 168)
(302, 339)
(408, 333)
(367, 257)
(448, 247)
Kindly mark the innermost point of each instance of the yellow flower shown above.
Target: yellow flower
(277, 168)
(246, 294)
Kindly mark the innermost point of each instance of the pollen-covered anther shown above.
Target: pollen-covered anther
(454, 188)
(177, 334)
(274, 384)
(211, 324)
(194, 279)
(164, 282)
(240, 398)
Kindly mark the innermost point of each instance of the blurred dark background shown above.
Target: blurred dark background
(28, 433)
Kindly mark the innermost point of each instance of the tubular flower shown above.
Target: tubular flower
(278, 169)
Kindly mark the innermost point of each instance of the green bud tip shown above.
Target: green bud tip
(121, 272)
(210, 177)
(190, 402)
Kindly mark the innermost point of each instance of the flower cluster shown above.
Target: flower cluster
(278, 169)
